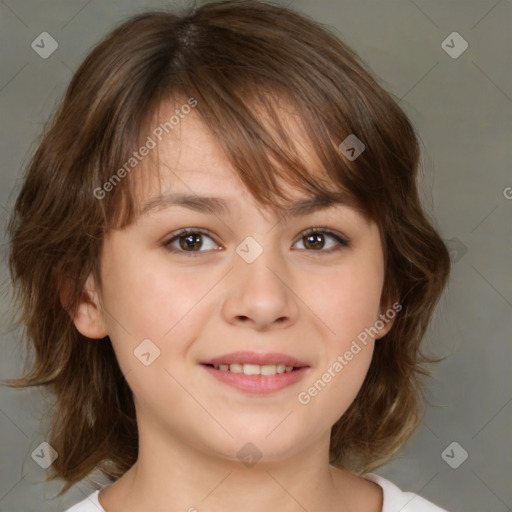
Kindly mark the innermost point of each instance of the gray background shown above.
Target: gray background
(462, 108)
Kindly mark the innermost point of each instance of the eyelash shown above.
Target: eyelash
(187, 231)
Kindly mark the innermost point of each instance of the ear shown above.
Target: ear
(387, 317)
(88, 314)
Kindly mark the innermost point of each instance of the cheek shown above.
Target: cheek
(149, 298)
(153, 302)
(334, 386)
(348, 302)
(339, 377)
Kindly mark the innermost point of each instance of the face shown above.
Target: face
(241, 279)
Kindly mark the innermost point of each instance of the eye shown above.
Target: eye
(192, 240)
(314, 240)
(189, 240)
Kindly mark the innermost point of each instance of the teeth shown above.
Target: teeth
(236, 368)
(268, 369)
(254, 369)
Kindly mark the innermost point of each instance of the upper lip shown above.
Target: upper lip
(259, 358)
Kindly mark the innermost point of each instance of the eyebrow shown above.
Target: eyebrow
(219, 206)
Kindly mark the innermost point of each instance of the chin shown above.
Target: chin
(257, 445)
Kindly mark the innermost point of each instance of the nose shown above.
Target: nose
(260, 293)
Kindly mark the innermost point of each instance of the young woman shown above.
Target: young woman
(224, 269)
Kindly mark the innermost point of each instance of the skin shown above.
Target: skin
(194, 308)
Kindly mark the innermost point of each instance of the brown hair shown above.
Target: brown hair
(238, 60)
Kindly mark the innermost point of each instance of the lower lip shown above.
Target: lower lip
(259, 384)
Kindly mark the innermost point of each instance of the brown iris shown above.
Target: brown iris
(314, 241)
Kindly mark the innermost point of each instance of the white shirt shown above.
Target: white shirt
(394, 499)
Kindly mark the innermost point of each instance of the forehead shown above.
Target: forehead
(186, 160)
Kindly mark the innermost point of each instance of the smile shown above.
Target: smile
(256, 379)
(256, 372)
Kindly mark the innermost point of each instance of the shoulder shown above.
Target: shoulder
(89, 504)
(395, 499)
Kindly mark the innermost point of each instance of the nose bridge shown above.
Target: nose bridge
(258, 261)
(258, 291)
(261, 246)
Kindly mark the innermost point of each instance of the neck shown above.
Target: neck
(169, 475)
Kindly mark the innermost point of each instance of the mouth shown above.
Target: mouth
(256, 372)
